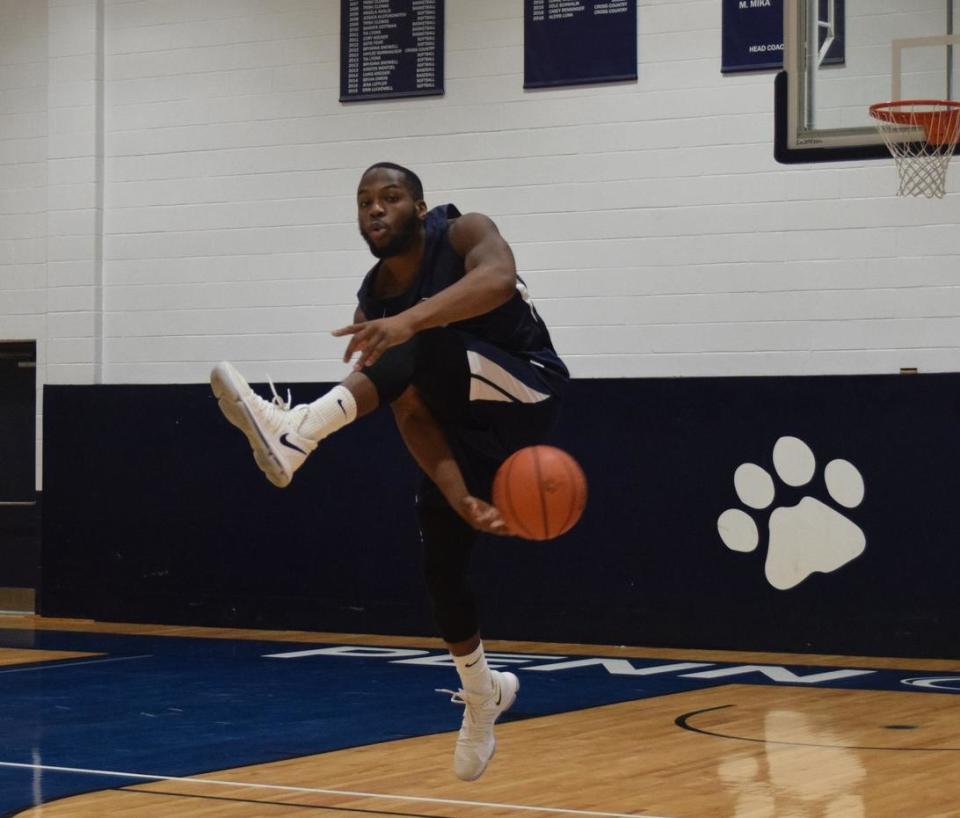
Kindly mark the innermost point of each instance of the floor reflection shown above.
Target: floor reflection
(783, 780)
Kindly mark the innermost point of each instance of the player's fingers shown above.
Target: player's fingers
(473, 513)
(369, 358)
(356, 343)
(486, 517)
(347, 330)
(361, 362)
(364, 347)
(497, 524)
(372, 355)
(497, 527)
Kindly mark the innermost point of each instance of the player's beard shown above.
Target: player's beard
(403, 239)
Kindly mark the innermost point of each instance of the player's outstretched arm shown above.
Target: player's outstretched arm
(427, 443)
(490, 277)
(490, 280)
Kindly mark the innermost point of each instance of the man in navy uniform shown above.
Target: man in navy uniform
(446, 335)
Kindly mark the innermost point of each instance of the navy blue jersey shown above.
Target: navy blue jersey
(514, 326)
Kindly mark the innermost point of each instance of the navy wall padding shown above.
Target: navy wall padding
(155, 512)
(20, 545)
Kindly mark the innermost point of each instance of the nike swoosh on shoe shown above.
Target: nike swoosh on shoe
(284, 441)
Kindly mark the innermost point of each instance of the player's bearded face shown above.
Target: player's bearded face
(400, 237)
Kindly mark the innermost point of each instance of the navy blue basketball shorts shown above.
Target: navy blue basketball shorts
(489, 402)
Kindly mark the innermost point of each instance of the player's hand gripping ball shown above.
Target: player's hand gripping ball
(540, 492)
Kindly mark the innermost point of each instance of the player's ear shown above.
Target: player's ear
(421, 209)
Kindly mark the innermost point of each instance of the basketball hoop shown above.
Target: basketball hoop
(921, 135)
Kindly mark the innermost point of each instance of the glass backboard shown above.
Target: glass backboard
(893, 49)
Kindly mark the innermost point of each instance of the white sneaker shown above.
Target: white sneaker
(476, 743)
(270, 426)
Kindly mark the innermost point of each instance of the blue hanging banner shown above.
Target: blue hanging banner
(753, 34)
(390, 48)
(573, 42)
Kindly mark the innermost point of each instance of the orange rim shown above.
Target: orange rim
(941, 123)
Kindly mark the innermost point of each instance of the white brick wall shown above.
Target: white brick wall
(75, 189)
(23, 180)
(200, 175)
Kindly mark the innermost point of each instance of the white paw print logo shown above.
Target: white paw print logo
(805, 538)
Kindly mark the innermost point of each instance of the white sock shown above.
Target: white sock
(327, 414)
(474, 674)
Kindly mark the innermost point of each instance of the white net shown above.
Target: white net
(921, 135)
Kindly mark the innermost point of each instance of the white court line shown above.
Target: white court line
(68, 663)
(318, 791)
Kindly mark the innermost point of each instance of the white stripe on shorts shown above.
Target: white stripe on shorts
(490, 381)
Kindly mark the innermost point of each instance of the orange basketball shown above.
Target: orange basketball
(540, 491)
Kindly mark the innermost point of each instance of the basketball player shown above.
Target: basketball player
(445, 334)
